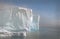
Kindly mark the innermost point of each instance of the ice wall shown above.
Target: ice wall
(15, 19)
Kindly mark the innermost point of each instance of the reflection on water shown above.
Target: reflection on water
(33, 35)
(15, 37)
(45, 33)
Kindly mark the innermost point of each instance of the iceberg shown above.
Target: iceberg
(18, 19)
